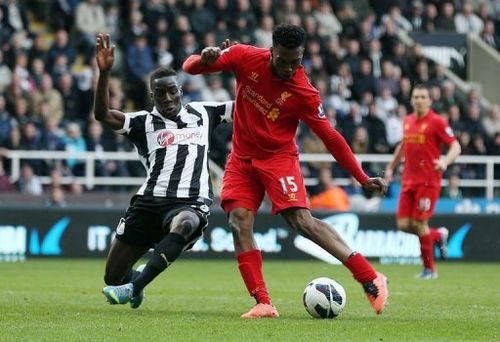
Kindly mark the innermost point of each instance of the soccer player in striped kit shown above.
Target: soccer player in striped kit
(170, 210)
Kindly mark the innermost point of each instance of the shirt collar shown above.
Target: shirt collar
(155, 112)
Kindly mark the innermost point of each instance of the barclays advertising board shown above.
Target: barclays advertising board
(79, 233)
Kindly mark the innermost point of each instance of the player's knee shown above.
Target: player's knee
(302, 222)
(404, 225)
(238, 222)
(185, 225)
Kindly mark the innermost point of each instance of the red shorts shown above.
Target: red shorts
(246, 181)
(417, 203)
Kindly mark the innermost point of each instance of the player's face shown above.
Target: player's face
(421, 100)
(285, 62)
(166, 95)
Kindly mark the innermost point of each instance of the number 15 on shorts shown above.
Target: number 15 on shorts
(288, 184)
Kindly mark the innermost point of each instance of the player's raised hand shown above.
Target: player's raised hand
(375, 184)
(105, 52)
(209, 55)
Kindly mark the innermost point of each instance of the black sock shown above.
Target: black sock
(164, 254)
(132, 275)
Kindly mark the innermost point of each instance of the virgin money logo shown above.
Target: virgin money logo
(165, 138)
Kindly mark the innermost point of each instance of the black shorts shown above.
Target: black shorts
(147, 220)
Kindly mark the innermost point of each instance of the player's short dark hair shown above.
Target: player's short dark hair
(289, 36)
(161, 72)
(421, 86)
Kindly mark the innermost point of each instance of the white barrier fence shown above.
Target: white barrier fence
(489, 183)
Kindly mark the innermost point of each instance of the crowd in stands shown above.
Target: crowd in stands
(353, 57)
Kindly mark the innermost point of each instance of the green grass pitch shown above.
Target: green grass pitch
(60, 300)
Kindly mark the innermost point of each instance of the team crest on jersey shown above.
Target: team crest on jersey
(273, 114)
(165, 138)
(423, 127)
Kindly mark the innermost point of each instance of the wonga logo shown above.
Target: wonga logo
(165, 138)
(50, 244)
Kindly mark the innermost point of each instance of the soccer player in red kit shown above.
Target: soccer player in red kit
(273, 94)
(425, 132)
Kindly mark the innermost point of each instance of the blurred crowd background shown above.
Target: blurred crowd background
(353, 56)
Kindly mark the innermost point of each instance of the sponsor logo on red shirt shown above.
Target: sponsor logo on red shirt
(283, 97)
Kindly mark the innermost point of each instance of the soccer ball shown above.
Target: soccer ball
(324, 298)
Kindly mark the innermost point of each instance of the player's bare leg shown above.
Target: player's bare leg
(121, 259)
(241, 221)
(404, 224)
(374, 283)
(182, 229)
(250, 263)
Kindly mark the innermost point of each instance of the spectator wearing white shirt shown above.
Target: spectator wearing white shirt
(327, 20)
(467, 21)
(29, 182)
(386, 103)
(394, 126)
(491, 122)
(264, 33)
(397, 18)
(215, 91)
(90, 20)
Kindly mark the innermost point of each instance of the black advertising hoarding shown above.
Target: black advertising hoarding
(26, 233)
(446, 48)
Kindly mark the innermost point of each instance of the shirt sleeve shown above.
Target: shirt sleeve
(225, 62)
(133, 124)
(445, 132)
(316, 119)
(220, 112)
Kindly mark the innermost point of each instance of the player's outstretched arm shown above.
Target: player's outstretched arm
(198, 64)
(213, 59)
(105, 59)
(396, 159)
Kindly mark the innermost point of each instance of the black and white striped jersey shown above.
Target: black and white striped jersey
(175, 153)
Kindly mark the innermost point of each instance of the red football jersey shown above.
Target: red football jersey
(423, 139)
(268, 109)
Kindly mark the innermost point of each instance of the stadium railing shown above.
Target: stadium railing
(489, 183)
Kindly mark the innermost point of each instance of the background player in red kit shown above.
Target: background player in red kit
(273, 95)
(425, 132)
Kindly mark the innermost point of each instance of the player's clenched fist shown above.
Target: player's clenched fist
(209, 55)
(376, 184)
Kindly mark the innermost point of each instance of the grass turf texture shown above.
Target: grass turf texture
(60, 300)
